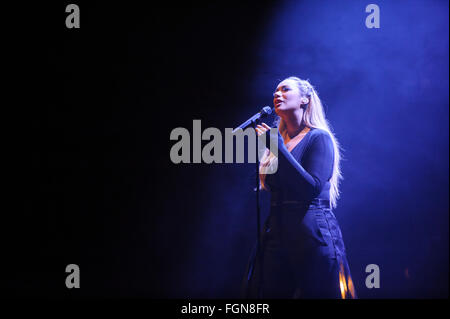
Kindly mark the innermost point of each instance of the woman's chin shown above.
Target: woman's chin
(279, 109)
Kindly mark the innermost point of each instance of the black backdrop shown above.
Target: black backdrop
(96, 184)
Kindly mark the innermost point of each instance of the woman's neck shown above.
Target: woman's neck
(294, 124)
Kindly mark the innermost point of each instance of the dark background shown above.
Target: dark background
(95, 183)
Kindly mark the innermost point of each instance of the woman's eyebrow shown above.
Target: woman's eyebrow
(283, 86)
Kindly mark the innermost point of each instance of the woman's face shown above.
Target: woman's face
(287, 97)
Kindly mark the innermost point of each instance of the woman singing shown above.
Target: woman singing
(302, 252)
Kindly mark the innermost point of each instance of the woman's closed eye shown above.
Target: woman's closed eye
(284, 89)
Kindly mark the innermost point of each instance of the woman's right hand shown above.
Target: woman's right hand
(268, 139)
(261, 129)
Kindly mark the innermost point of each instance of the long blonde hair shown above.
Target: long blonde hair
(313, 117)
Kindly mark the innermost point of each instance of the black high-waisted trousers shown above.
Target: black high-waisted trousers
(302, 254)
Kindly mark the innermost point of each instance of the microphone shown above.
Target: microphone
(265, 111)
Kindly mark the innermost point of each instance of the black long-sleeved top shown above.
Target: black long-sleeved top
(304, 173)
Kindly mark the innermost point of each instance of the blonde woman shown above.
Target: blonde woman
(302, 253)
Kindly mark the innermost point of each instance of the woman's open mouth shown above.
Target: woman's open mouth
(278, 102)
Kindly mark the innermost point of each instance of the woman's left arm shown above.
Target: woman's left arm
(317, 166)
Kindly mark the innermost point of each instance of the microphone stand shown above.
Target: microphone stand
(259, 258)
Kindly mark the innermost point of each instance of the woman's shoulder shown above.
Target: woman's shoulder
(320, 136)
(318, 132)
(320, 139)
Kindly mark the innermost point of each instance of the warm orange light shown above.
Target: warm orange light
(342, 289)
(342, 282)
(351, 288)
